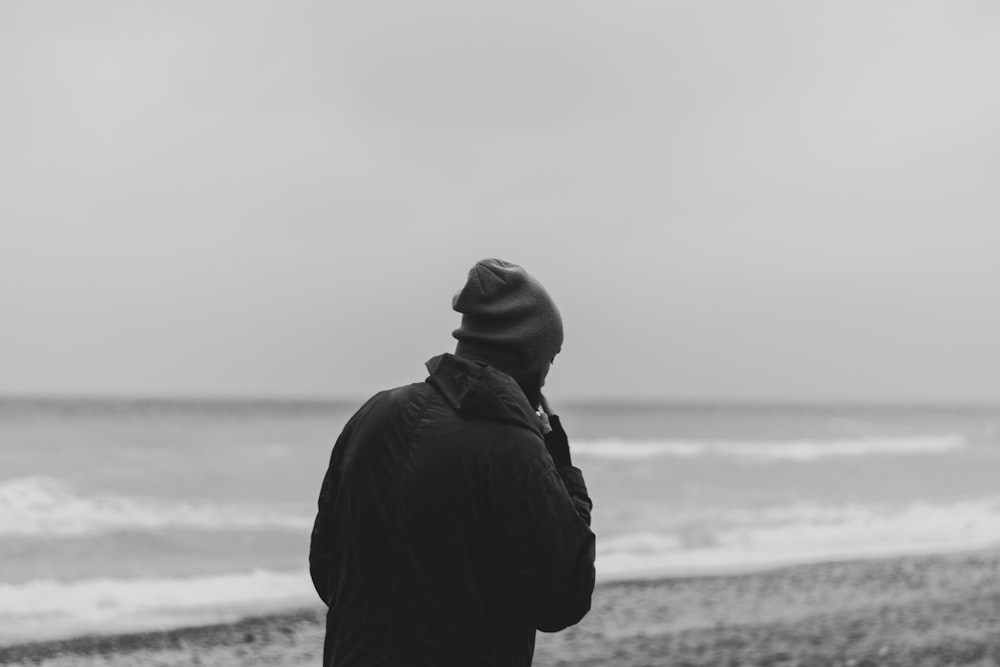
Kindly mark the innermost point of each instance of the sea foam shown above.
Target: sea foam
(768, 451)
(737, 540)
(44, 506)
(45, 607)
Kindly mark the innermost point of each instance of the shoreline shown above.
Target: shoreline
(918, 610)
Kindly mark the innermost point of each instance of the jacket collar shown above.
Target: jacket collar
(475, 389)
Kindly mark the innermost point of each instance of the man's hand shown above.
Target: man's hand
(556, 440)
(543, 416)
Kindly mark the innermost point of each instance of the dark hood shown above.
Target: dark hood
(476, 390)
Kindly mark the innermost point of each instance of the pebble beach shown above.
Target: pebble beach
(913, 611)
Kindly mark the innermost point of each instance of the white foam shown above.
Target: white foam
(51, 608)
(768, 451)
(739, 540)
(43, 506)
(693, 542)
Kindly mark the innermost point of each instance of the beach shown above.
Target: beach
(912, 611)
(727, 535)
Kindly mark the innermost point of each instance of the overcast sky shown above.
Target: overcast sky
(728, 200)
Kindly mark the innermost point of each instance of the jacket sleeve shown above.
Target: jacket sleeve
(321, 542)
(322, 554)
(550, 546)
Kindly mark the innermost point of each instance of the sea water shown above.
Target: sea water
(118, 515)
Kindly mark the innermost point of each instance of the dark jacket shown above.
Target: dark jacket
(445, 534)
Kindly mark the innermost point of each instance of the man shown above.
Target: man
(452, 523)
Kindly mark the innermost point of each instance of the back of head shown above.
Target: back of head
(509, 321)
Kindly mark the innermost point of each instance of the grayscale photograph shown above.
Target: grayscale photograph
(466, 334)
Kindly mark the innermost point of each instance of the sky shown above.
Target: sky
(750, 201)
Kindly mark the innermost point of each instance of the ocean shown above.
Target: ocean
(138, 514)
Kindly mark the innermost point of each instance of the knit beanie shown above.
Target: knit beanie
(509, 321)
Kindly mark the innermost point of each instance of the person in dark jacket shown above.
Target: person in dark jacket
(452, 524)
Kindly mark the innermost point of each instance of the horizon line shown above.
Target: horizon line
(691, 402)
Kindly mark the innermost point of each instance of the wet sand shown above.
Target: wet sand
(931, 611)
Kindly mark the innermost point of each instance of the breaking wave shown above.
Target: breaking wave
(740, 540)
(44, 607)
(768, 451)
(45, 506)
